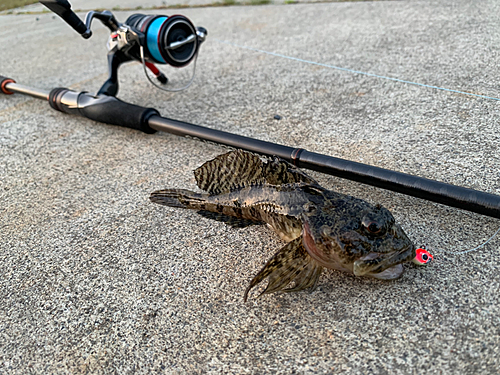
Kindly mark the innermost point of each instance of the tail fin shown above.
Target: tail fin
(177, 198)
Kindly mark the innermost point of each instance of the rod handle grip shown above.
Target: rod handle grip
(102, 108)
(115, 112)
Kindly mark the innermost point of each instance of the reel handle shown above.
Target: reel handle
(63, 9)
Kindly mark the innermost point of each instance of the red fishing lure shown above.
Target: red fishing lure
(422, 257)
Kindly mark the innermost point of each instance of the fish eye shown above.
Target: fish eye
(425, 257)
(373, 227)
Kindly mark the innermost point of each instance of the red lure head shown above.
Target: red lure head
(422, 257)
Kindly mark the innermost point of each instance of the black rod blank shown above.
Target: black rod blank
(186, 129)
(435, 191)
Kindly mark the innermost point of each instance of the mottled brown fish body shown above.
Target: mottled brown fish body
(323, 228)
(276, 206)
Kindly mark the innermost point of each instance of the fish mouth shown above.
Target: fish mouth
(384, 266)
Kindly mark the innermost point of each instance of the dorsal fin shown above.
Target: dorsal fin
(228, 172)
(238, 168)
(280, 172)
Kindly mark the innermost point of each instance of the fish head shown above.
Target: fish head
(351, 235)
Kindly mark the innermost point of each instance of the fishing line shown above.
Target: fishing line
(356, 71)
(177, 89)
(470, 250)
(380, 77)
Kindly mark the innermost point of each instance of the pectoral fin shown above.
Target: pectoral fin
(232, 221)
(291, 263)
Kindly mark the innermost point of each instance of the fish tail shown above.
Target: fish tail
(179, 198)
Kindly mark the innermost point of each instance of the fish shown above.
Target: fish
(322, 228)
(422, 256)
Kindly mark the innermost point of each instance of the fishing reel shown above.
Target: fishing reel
(150, 39)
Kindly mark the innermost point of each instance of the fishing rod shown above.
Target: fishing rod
(110, 110)
(161, 40)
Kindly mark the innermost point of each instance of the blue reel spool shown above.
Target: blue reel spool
(169, 40)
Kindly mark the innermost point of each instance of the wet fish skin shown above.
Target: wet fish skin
(278, 206)
(323, 228)
(336, 235)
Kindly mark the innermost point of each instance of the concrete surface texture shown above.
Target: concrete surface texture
(95, 279)
(86, 5)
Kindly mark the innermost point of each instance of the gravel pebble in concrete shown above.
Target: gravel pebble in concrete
(95, 279)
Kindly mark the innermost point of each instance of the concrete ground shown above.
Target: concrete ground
(139, 5)
(95, 279)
